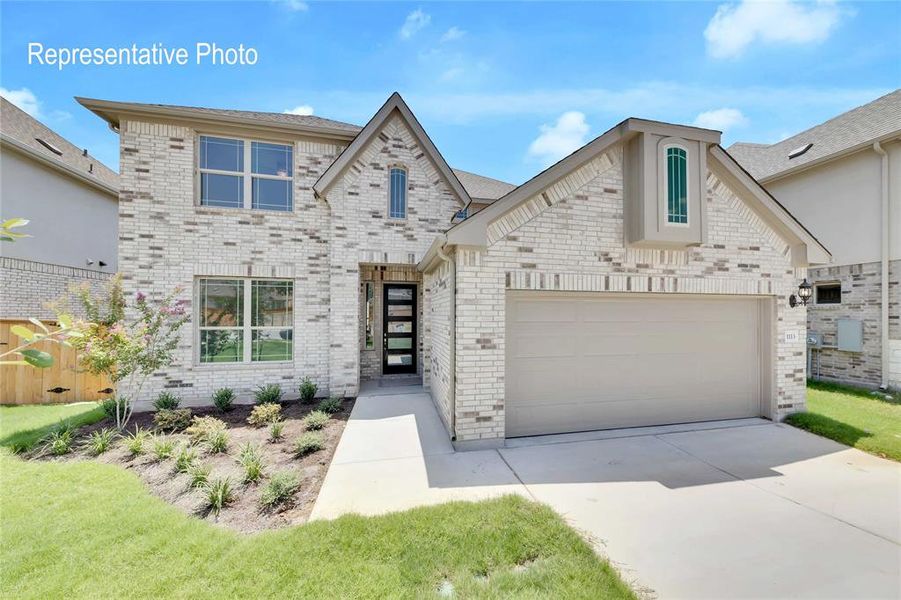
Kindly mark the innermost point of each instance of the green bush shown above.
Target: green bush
(330, 405)
(218, 494)
(265, 414)
(279, 489)
(308, 390)
(172, 419)
(166, 401)
(101, 440)
(308, 443)
(217, 442)
(276, 431)
(59, 441)
(134, 442)
(266, 394)
(203, 427)
(223, 399)
(316, 420)
(185, 459)
(250, 457)
(200, 475)
(162, 448)
(109, 406)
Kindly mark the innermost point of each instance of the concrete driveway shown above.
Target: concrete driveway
(745, 509)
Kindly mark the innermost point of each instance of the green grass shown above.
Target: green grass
(23, 426)
(854, 417)
(85, 529)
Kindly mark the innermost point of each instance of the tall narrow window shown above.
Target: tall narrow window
(370, 317)
(397, 208)
(676, 185)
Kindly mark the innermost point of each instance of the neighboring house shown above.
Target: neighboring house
(70, 199)
(842, 179)
(642, 280)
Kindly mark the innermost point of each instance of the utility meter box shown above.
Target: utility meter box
(814, 339)
(850, 335)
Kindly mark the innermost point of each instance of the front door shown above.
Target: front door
(399, 329)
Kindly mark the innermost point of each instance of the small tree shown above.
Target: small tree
(128, 350)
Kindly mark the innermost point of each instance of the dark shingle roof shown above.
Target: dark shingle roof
(18, 125)
(857, 127)
(480, 187)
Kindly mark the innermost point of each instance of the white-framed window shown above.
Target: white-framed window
(241, 173)
(828, 293)
(397, 193)
(245, 320)
(676, 184)
(462, 214)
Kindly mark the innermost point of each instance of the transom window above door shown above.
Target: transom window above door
(239, 173)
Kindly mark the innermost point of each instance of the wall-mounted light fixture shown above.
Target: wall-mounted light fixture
(805, 290)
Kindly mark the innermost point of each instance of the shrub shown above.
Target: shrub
(172, 419)
(279, 489)
(223, 399)
(218, 494)
(59, 440)
(166, 401)
(200, 475)
(251, 460)
(276, 431)
(109, 406)
(185, 459)
(134, 442)
(203, 427)
(330, 405)
(217, 442)
(316, 420)
(101, 440)
(308, 390)
(264, 414)
(308, 443)
(162, 449)
(266, 394)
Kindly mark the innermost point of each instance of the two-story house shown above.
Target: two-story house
(644, 279)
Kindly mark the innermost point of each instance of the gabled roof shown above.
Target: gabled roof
(394, 103)
(474, 230)
(22, 132)
(848, 132)
(484, 190)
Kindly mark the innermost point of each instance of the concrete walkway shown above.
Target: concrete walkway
(742, 509)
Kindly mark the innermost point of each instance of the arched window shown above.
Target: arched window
(397, 194)
(676, 185)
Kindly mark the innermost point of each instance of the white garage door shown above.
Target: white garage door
(577, 362)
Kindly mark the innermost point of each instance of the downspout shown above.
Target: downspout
(452, 341)
(877, 147)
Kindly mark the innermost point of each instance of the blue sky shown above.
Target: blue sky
(503, 89)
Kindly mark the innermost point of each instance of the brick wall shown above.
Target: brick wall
(436, 334)
(861, 286)
(28, 287)
(570, 237)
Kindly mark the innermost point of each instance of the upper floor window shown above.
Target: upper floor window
(397, 200)
(237, 173)
(676, 185)
(462, 214)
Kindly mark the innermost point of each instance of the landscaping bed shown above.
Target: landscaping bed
(213, 479)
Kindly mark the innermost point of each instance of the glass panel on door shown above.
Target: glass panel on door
(399, 329)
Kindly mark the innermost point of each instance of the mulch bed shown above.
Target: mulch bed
(244, 513)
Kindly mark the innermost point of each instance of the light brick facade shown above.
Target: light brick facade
(861, 287)
(29, 288)
(570, 238)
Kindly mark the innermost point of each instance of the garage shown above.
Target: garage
(583, 361)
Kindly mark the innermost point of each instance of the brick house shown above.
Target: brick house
(312, 248)
(842, 178)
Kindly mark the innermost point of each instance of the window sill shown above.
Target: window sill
(221, 366)
(224, 210)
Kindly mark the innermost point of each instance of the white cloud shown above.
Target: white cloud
(560, 139)
(454, 33)
(415, 21)
(294, 5)
(721, 119)
(24, 99)
(734, 27)
(303, 109)
(452, 74)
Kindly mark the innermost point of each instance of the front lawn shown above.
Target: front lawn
(85, 529)
(853, 416)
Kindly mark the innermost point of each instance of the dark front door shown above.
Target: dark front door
(399, 329)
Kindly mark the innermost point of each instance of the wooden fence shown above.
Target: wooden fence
(63, 382)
